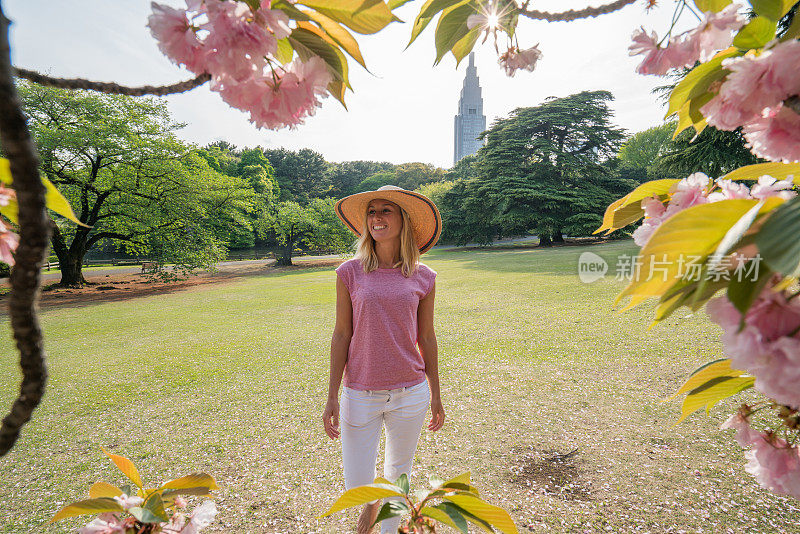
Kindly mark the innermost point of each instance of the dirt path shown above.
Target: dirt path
(118, 286)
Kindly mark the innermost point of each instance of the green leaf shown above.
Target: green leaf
(463, 47)
(151, 511)
(691, 293)
(712, 5)
(104, 489)
(194, 480)
(285, 52)
(362, 495)
(793, 31)
(743, 291)
(5, 172)
(53, 198)
(426, 13)
(628, 209)
(733, 235)
(340, 35)
(704, 373)
(254, 4)
(711, 392)
(390, 509)
(472, 518)
(755, 33)
(89, 506)
(772, 9)
(452, 27)
(126, 466)
(699, 79)
(778, 241)
(369, 20)
(308, 40)
(402, 483)
(481, 509)
(394, 4)
(448, 514)
(289, 8)
(689, 234)
(11, 210)
(779, 171)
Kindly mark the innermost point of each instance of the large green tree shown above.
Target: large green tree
(545, 168)
(302, 175)
(315, 226)
(134, 184)
(345, 177)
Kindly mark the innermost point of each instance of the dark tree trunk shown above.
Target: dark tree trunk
(18, 147)
(545, 241)
(70, 260)
(285, 256)
(558, 236)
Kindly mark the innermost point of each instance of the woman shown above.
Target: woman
(384, 345)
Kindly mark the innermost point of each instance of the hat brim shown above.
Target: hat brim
(426, 221)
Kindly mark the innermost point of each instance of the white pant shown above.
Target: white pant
(362, 415)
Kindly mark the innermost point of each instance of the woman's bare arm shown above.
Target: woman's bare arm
(428, 347)
(340, 344)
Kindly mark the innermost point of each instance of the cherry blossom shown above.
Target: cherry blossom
(128, 502)
(104, 524)
(764, 343)
(8, 244)
(768, 186)
(176, 37)
(658, 60)
(775, 136)
(6, 195)
(774, 463)
(515, 59)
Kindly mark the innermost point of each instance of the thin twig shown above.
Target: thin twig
(572, 14)
(110, 87)
(17, 145)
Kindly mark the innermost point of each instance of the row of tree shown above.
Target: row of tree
(552, 169)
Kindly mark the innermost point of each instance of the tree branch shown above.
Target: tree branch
(18, 146)
(110, 87)
(570, 15)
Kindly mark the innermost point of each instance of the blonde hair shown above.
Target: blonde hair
(409, 252)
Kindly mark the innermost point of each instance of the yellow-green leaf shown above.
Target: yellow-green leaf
(362, 495)
(89, 506)
(308, 40)
(711, 392)
(690, 235)
(615, 218)
(755, 33)
(701, 375)
(452, 519)
(104, 489)
(285, 52)
(490, 513)
(452, 27)
(711, 5)
(426, 13)
(772, 9)
(5, 171)
(11, 210)
(56, 202)
(340, 35)
(192, 481)
(464, 46)
(779, 171)
(699, 79)
(350, 13)
(126, 466)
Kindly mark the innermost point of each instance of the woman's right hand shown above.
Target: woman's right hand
(330, 418)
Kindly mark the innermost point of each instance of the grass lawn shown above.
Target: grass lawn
(553, 403)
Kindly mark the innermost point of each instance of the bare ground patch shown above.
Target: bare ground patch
(559, 474)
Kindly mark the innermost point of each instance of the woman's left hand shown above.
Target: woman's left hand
(437, 415)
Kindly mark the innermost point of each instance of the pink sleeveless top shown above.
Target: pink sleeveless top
(383, 350)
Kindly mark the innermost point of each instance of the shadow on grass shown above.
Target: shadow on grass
(560, 475)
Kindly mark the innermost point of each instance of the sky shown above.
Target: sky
(401, 111)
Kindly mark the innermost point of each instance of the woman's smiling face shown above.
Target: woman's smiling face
(384, 220)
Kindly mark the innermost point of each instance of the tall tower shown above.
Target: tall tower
(470, 121)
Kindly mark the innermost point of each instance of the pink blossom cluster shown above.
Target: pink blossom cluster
(765, 342)
(714, 33)
(179, 523)
(752, 96)
(774, 463)
(237, 47)
(698, 189)
(515, 59)
(8, 239)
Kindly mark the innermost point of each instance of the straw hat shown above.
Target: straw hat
(425, 219)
